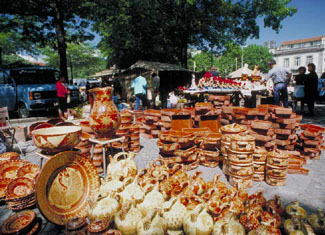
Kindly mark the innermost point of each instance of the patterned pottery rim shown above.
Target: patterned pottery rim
(53, 177)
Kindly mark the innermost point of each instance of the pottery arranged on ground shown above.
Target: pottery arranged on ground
(17, 181)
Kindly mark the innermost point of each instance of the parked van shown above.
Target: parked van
(27, 89)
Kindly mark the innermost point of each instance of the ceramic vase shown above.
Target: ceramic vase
(104, 118)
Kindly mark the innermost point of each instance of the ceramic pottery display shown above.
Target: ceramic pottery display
(104, 118)
(57, 139)
(64, 185)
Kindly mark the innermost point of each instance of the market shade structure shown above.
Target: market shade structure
(238, 73)
(171, 77)
(151, 65)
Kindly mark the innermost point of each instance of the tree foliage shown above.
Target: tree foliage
(163, 29)
(84, 59)
(201, 61)
(252, 55)
(226, 63)
(257, 55)
(48, 22)
(13, 41)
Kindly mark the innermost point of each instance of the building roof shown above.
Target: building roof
(302, 40)
(150, 65)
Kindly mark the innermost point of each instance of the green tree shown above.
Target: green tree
(12, 41)
(84, 59)
(257, 55)
(164, 29)
(231, 57)
(202, 61)
(50, 22)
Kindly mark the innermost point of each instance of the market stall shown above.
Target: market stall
(243, 150)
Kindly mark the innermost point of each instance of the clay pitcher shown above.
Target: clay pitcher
(104, 118)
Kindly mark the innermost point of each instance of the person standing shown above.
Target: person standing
(311, 88)
(139, 85)
(279, 76)
(62, 92)
(299, 88)
(155, 86)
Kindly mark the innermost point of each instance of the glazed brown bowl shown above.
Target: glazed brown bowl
(57, 139)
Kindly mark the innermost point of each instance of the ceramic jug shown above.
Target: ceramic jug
(104, 118)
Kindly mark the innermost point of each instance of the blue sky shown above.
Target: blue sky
(307, 22)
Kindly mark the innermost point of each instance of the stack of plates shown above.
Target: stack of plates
(24, 222)
(20, 194)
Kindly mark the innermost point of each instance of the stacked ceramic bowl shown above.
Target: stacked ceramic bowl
(276, 168)
(259, 160)
(24, 222)
(209, 150)
(227, 131)
(240, 160)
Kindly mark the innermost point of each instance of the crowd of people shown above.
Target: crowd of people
(307, 86)
(307, 89)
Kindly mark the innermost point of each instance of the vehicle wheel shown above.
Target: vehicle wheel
(23, 111)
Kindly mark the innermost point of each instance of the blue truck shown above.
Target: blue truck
(28, 89)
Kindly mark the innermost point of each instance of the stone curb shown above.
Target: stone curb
(32, 119)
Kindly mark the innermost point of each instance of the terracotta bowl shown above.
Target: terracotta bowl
(57, 139)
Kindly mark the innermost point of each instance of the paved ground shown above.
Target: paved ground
(309, 190)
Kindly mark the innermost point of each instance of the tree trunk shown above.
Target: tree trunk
(0, 55)
(60, 34)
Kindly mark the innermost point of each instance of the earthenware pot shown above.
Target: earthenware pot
(104, 118)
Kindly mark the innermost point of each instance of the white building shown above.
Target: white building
(296, 53)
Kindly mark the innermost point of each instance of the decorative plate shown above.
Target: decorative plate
(98, 226)
(18, 223)
(3, 186)
(37, 227)
(9, 156)
(29, 171)
(8, 169)
(19, 188)
(76, 223)
(112, 232)
(64, 185)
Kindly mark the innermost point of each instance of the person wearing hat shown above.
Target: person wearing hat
(214, 72)
(279, 76)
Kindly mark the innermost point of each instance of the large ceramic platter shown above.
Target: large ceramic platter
(64, 185)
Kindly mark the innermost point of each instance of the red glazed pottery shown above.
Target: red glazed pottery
(104, 118)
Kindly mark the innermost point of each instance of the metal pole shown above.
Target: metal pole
(236, 63)
(211, 56)
(242, 57)
(71, 68)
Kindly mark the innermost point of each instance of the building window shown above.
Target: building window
(297, 61)
(286, 62)
(309, 59)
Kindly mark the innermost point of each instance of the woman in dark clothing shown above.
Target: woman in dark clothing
(311, 88)
(300, 80)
